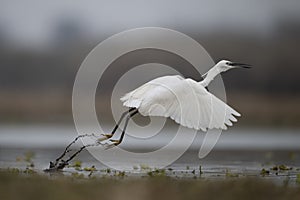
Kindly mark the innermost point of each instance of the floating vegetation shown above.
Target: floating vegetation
(29, 171)
(228, 174)
(281, 168)
(120, 174)
(264, 172)
(90, 169)
(157, 173)
(77, 163)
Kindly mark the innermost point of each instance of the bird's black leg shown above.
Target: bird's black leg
(107, 136)
(117, 142)
(121, 118)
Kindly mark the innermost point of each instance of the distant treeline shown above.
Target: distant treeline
(275, 63)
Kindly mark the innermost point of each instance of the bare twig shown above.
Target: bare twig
(60, 163)
(77, 152)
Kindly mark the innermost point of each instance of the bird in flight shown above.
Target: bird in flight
(186, 101)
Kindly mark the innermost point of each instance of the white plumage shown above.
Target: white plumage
(185, 101)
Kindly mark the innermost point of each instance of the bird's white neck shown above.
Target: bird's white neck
(210, 75)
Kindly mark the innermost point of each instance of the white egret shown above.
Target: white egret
(186, 101)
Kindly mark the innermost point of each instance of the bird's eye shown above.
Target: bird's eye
(228, 63)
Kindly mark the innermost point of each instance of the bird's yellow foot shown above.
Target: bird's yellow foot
(115, 142)
(105, 137)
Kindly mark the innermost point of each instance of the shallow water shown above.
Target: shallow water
(238, 153)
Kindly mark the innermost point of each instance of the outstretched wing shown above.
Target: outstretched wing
(185, 101)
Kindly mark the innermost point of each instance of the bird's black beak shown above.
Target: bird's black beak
(241, 65)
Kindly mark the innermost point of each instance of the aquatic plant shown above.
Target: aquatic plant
(228, 174)
(264, 172)
(157, 172)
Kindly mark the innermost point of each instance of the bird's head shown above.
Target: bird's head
(225, 65)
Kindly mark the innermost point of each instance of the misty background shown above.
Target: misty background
(43, 43)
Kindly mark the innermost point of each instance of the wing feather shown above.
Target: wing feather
(185, 101)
